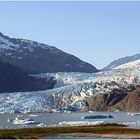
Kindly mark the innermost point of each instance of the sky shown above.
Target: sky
(96, 32)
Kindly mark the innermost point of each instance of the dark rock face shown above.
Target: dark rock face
(104, 102)
(121, 61)
(129, 101)
(33, 57)
(12, 79)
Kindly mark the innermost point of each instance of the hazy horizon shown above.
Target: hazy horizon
(96, 32)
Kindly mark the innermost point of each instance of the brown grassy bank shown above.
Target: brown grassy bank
(35, 133)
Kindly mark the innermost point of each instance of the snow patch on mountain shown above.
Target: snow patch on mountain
(6, 44)
(133, 64)
(9, 44)
(122, 61)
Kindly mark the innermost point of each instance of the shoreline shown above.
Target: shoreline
(115, 136)
(97, 131)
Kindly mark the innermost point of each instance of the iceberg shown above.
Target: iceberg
(79, 123)
(98, 117)
(25, 121)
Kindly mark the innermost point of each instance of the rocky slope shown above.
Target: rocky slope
(127, 101)
(131, 102)
(33, 57)
(13, 79)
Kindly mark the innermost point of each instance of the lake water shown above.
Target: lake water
(50, 119)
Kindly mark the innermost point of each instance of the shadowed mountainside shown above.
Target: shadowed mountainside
(13, 79)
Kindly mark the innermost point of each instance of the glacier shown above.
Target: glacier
(70, 92)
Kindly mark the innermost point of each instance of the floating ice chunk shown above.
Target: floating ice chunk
(80, 123)
(98, 117)
(41, 125)
(133, 114)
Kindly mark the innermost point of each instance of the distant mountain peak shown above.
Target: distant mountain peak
(132, 64)
(125, 62)
(4, 37)
(34, 57)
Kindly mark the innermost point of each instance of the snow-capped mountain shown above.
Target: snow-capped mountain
(72, 90)
(75, 91)
(33, 57)
(133, 64)
(125, 62)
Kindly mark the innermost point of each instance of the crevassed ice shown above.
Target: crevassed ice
(71, 93)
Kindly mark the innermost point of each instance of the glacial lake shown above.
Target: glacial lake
(53, 119)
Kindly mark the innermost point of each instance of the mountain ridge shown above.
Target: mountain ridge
(33, 57)
(122, 61)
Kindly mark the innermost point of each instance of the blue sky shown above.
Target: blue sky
(96, 32)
